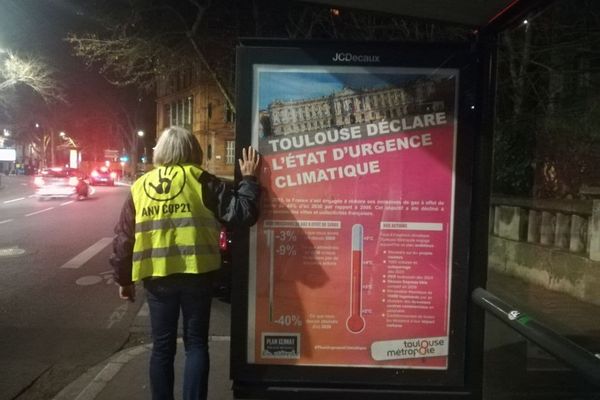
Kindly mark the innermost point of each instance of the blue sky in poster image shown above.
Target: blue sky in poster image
(287, 86)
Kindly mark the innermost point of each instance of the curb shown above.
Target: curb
(89, 385)
(93, 381)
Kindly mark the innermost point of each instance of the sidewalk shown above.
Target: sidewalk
(125, 374)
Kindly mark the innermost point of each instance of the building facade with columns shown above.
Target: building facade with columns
(353, 106)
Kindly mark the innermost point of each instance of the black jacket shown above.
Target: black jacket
(232, 206)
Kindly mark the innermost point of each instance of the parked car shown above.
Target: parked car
(103, 176)
(60, 182)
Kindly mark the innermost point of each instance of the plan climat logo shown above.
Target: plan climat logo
(409, 348)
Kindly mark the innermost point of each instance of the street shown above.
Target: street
(59, 309)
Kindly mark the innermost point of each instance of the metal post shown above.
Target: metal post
(52, 156)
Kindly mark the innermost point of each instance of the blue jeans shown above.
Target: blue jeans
(190, 293)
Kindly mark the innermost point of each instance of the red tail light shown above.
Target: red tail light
(95, 173)
(113, 175)
(223, 239)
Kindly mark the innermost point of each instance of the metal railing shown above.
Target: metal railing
(563, 349)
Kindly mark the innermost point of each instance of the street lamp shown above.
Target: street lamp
(74, 155)
(69, 139)
(140, 134)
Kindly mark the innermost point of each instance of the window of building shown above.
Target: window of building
(190, 112)
(229, 152)
(229, 114)
(166, 115)
(179, 113)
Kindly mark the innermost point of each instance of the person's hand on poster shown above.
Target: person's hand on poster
(249, 161)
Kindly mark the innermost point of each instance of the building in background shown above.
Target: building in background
(193, 100)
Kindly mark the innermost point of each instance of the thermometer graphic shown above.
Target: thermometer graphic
(271, 243)
(355, 322)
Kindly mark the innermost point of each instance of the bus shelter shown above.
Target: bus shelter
(357, 280)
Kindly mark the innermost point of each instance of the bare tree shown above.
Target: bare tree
(31, 72)
(154, 40)
(318, 22)
(547, 124)
(128, 60)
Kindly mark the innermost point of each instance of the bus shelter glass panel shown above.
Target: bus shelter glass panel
(350, 262)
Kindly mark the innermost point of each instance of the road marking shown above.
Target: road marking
(5, 221)
(94, 279)
(13, 200)
(11, 251)
(144, 311)
(67, 202)
(39, 212)
(88, 280)
(117, 315)
(87, 254)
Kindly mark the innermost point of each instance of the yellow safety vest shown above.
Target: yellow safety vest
(174, 231)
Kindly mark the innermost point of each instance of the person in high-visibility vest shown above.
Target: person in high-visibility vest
(167, 237)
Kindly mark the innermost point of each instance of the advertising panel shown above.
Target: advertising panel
(350, 264)
(8, 154)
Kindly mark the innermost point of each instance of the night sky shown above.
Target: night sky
(38, 28)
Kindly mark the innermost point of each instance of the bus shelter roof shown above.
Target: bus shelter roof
(478, 14)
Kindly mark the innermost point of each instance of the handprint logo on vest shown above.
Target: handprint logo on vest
(165, 183)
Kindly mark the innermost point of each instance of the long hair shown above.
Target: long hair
(177, 146)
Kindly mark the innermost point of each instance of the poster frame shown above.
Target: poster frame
(460, 378)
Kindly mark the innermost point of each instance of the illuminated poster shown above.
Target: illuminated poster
(350, 263)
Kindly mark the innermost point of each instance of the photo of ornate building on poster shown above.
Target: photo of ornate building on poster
(352, 106)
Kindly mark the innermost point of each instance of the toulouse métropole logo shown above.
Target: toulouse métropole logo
(348, 57)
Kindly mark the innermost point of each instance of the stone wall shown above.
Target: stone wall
(554, 244)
